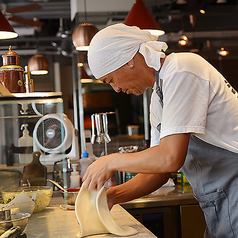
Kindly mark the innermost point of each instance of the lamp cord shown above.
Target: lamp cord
(85, 11)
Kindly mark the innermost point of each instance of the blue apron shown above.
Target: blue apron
(213, 174)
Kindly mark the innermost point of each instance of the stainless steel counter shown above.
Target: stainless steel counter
(56, 222)
(165, 196)
(161, 213)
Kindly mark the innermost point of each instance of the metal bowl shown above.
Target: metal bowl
(71, 195)
(17, 219)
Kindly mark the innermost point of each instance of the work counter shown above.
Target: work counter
(56, 222)
(169, 212)
(165, 196)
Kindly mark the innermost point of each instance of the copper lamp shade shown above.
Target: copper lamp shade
(140, 16)
(38, 65)
(82, 36)
(84, 76)
(6, 31)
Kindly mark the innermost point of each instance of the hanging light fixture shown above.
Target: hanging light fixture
(38, 65)
(223, 52)
(83, 34)
(221, 1)
(183, 40)
(6, 31)
(203, 8)
(181, 2)
(140, 16)
(84, 76)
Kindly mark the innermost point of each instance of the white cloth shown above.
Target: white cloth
(197, 99)
(115, 45)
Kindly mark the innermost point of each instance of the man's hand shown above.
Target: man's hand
(98, 173)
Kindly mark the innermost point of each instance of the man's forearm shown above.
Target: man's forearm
(140, 185)
(166, 157)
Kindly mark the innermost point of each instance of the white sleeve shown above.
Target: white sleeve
(186, 99)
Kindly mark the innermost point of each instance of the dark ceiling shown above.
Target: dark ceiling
(217, 28)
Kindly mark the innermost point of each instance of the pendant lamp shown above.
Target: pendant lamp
(183, 40)
(140, 16)
(223, 52)
(221, 1)
(82, 36)
(84, 76)
(181, 2)
(38, 65)
(83, 33)
(6, 31)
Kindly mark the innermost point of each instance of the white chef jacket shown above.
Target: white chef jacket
(197, 99)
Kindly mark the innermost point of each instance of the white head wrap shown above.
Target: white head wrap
(115, 45)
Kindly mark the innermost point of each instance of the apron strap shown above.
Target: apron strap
(159, 84)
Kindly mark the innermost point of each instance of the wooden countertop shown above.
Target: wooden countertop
(56, 222)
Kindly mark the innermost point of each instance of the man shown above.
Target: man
(194, 118)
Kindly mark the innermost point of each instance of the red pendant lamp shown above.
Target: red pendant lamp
(140, 16)
(6, 31)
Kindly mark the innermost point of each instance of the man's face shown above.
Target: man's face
(126, 80)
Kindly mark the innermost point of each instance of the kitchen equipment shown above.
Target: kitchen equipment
(12, 75)
(12, 232)
(59, 166)
(35, 173)
(5, 215)
(41, 195)
(47, 108)
(103, 136)
(93, 128)
(6, 210)
(17, 219)
(56, 184)
(55, 136)
(101, 128)
(70, 195)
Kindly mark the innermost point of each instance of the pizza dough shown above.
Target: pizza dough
(94, 216)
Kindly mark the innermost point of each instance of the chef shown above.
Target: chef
(194, 121)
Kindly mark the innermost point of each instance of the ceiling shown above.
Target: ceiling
(217, 28)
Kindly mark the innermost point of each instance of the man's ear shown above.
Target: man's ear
(131, 63)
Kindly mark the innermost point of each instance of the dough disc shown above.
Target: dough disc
(94, 216)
